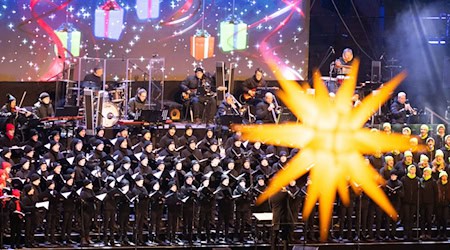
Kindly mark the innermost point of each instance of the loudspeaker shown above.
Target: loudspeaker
(175, 114)
(231, 87)
(89, 111)
(375, 75)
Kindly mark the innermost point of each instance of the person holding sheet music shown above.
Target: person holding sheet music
(173, 203)
(394, 192)
(52, 219)
(88, 203)
(188, 135)
(29, 209)
(207, 205)
(109, 210)
(188, 195)
(16, 218)
(224, 199)
(124, 202)
(157, 208)
(69, 204)
(141, 208)
(243, 202)
(169, 137)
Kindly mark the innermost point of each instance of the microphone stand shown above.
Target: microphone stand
(417, 209)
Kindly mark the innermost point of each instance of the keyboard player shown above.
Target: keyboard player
(43, 108)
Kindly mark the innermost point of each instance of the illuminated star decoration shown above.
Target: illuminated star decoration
(332, 140)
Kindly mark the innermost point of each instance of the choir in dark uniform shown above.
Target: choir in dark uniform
(185, 188)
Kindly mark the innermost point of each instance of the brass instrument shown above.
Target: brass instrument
(276, 110)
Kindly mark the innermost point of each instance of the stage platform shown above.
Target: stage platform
(435, 245)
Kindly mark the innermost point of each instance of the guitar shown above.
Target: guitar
(186, 96)
(249, 95)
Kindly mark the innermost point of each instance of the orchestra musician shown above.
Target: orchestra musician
(198, 91)
(401, 109)
(13, 113)
(136, 104)
(343, 64)
(95, 76)
(250, 85)
(266, 111)
(43, 107)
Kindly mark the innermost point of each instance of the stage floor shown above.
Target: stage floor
(435, 245)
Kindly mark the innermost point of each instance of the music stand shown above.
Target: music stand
(226, 120)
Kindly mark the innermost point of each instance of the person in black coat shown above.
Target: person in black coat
(428, 194)
(16, 218)
(137, 104)
(121, 149)
(141, 208)
(250, 86)
(224, 199)
(157, 207)
(52, 196)
(243, 203)
(9, 139)
(207, 204)
(188, 194)
(29, 209)
(265, 110)
(88, 203)
(173, 204)
(198, 91)
(442, 205)
(43, 108)
(400, 109)
(410, 200)
(169, 137)
(68, 198)
(109, 210)
(54, 154)
(394, 192)
(124, 201)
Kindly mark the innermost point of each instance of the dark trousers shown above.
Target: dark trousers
(87, 223)
(225, 217)
(442, 217)
(426, 215)
(29, 229)
(172, 220)
(206, 104)
(16, 229)
(67, 225)
(155, 220)
(345, 215)
(243, 220)
(141, 220)
(390, 223)
(408, 212)
(123, 225)
(52, 220)
(109, 222)
(376, 213)
(205, 221)
(188, 218)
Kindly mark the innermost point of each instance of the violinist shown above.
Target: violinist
(13, 113)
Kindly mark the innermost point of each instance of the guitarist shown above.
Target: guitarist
(250, 86)
(198, 91)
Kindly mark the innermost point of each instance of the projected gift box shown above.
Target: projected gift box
(70, 39)
(147, 9)
(202, 45)
(233, 34)
(109, 21)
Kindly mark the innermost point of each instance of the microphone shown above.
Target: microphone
(332, 50)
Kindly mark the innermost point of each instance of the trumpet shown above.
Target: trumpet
(237, 106)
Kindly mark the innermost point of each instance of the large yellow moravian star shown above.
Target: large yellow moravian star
(332, 141)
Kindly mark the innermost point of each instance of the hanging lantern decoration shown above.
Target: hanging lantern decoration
(202, 43)
(70, 39)
(109, 20)
(233, 33)
(147, 9)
